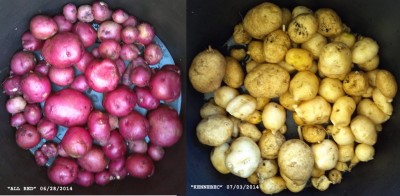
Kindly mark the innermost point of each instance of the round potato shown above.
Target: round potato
(234, 74)
(214, 130)
(210, 108)
(267, 80)
(369, 109)
(301, 9)
(370, 64)
(238, 53)
(267, 169)
(364, 130)
(331, 89)
(251, 65)
(382, 102)
(355, 83)
(240, 36)
(314, 111)
(364, 50)
(262, 20)
(315, 44)
(287, 100)
(346, 152)
(255, 51)
(304, 86)
(273, 185)
(364, 152)
(326, 154)
(302, 27)
(217, 157)
(241, 106)
(342, 135)
(275, 46)
(273, 116)
(335, 60)
(249, 130)
(224, 94)
(300, 59)
(329, 23)
(345, 37)
(270, 144)
(386, 83)
(313, 133)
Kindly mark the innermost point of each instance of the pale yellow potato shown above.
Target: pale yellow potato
(313, 133)
(288, 67)
(355, 83)
(317, 172)
(270, 144)
(217, 157)
(370, 64)
(342, 166)
(287, 101)
(255, 51)
(321, 183)
(326, 154)
(238, 53)
(345, 37)
(383, 103)
(261, 102)
(286, 17)
(236, 122)
(251, 65)
(386, 83)
(254, 118)
(372, 77)
(249, 130)
(292, 185)
(224, 94)
(335, 60)
(314, 67)
(346, 152)
(300, 59)
(267, 169)
(275, 46)
(273, 185)
(315, 44)
(253, 178)
(210, 108)
(314, 111)
(342, 135)
(267, 80)
(364, 130)
(342, 110)
(368, 93)
(304, 86)
(369, 109)
(331, 89)
(301, 9)
(283, 129)
(273, 116)
(357, 99)
(364, 50)
(353, 162)
(329, 23)
(234, 74)
(262, 19)
(365, 152)
(302, 28)
(241, 106)
(214, 130)
(207, 70)
(335, 176)
(240, 36)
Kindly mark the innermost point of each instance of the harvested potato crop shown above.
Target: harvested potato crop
(342, 166)
(346, 152)
(355, 83)
(249, 130)
(273, 116)
(276, 44)
(301, 10)
(383, 103)
(335, 60)
(236, 122)
(302, 28)
(262, 20)
(210, 108)
(329, 23)
(253, 178)
(267, 80)
(313, 133)
(250, 65)
(314, 111)
(254, 118)
(386, 83)
(286, 17)
(321, 183)
(369, 109)
(207, 70)
(315, 44)
(261, 102)
(293, 186)
(214, 130)
(234, 74)
(326, 154)
(255, 51)
(364, 152)
(364, 50)
(342, 135)
(273, 185)
(300, 59)
(364, 130)
(331, 89)
(342, 110)
(345, 37)
(370, 64)
(240, 36)
(317, 172)
(224, 94)
(372, 77)
(304, 86)
(217, 157)
(267, 169)
(241, 106)
(335, 176)
(270, 144)
(238, 53)
(287, 100)
(243, 157)
(288, 67)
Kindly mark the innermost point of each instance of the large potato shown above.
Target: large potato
(329, 23)
(262, 19)
(214, 130)
(304, 86)
(302, 28)
(267, 80)
(207, 70)
(275, 46)
(335, 60)
(364, 130)
(234, 74)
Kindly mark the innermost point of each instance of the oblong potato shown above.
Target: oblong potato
(224, 94)
(314, 111)
(342, 110)
(369, 109)
(304, 86)
(249, 130)
(386, 83)
(364, 130)
(214, 130)
(262, 19)
(234, 74)
(241, 106)
(273, 116)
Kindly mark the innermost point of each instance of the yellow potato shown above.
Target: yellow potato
(355, 83)
(329, 22)
(301, 10)
(304, 86)
(275, 46)
(287, 100)
(270, 144)
(314, 111)
(386, 83)
(241, 106)
(286, 17)
(272, 185)
(300, 59)
(240, 36)
(313, 133)
(325, 154)
(273, 116)
(255, 51)
(288, 67)
(249, 130)
(346, 152)
(238, 53)
(261, 102)
(369, 109)
(267, 169)
(331, 89)
(217, 157)
(262, 20)
(370, 64)
(383, 103)
(302, 27)
(253, 178)
(335, 60)
(224, 94)
(250, 65)
(345, 37)
(342, 111)
(364, 50)
(364, 130)
(214, 130)
(342, 135)
(254, 118)
(234, 74)
(321, 183)
(315, 44)
(210, 108)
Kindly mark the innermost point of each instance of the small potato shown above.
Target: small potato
(207, 70)
(210, 108)
(286, 17)
(301, 10)
(383, 103)
(276, 44)
(224, 94)
(342, 135)
(214, 130)
(335, 176)
(364, 152)
(262, 19)
(313, 133)
(253, 178)
(273, 116)
(304, 86)
(270, 144)
(347, 38)
(255, 51)
(355, 83)
(368, 93)
(287, 101)
(241, 106)
(335, 60)
(342, 166)
(250, 65)
(372, 77)
(353, 162)
(293, 186)
(217, 157)
(364, 130)
(240, 36)
(369, 109)
(267, 169)
(364, 50)
(331, 89)
(314, 67)
(386, 83)
(314, 111)
(273, 185)
(342, 110)
(302, 27)
(267, 80)
(329, 22)
(317, 172)
(315, 44)
(300, 59)
(238, 53)
(243, 157)
(249, 130)
(261, 102)
(321, 183)
(288, 67)
(346, 152)
(370, 64)
(283, 129)
(236, 122)
(254, 118)
(234, 74)
(326, 154)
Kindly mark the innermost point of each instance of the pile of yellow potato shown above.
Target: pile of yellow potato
(306, 62)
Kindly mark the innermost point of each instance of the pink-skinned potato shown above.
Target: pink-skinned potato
(76, 142)
(120, 102)
(165, 126)
(102, 75)
(63, 171)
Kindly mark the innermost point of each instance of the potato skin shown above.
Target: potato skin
(240, 36)
(217, 157)
(331, 89)
(315, 44)
(329, 23)
(275, 46)
(304, 86)
(210, 108)
(335, 60)
(355, 83)
(234, 74)
(386, 83)
(299, 58)
(207, 70)
(262, 19)
(342, 110)
(314, 111)
(267, 80)
(270, 144)
(255, 51)
(273, 116)
(302, 28)
(214, 130)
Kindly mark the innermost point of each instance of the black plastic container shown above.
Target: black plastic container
(212, 22)
(17, 166)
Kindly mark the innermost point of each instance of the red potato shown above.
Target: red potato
(27, 136)
(17, 119)
(76, 142)
(22, 62)
(102, 75)
(165, 85)
(120, 101)
(61, 76)
(139, 166)
(134, 126)
(115, 147)
(30, 42)
(84, 178)
(85, 13)
(155, 152)
(129, 52)
(139, 61)
(113, 120)
(153, 54)
(129, 34)
(145, 99)
(32, 113)
(49, 150)
(61, 151)
(171, 67)
(63, 50)
(94, 160)
(47, 129)
(70, 12)
(15, 105)
(119, 16)
(131, 21)
(63, 171)
(68, 108)
(101, 12)
(81, 65)
(63, 24)
(137, 146)
(80, 83)
(95, 52)
(42, 67)
(35, 87)
(109, 49)
(43, 27)
(12, 85)
(86, 33)
(165, 126)
(102, 178)
(121, 66)
(140, 75)
(109, 30)
(99, 127)
(146, 33)
(40, 158)
(117, 168)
